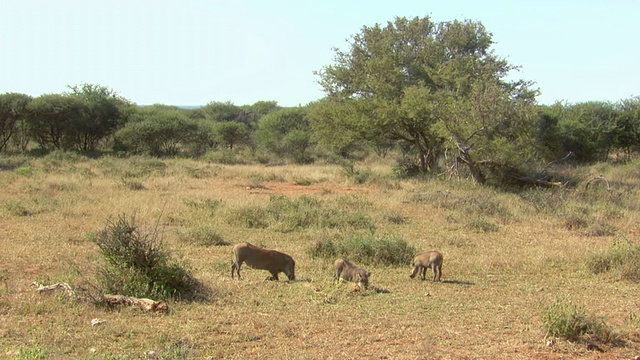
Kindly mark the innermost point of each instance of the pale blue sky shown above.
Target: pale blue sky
(190, 52)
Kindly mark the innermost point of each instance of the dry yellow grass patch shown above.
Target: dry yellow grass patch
(503, 261)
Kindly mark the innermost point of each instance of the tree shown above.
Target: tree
(231, 133)
(589, 130)
(13, 110)
(222, 111)
(629, 126)
(51, 118)
(103, 115)
(432, 86)
(285, 132)
(159, 133)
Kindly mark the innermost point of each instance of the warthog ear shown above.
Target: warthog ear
(368, 274)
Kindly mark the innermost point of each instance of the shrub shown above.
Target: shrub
(623, 256)
(301, 213)
(136, 264)
(568, 321)
(13, 163)
(366, 249)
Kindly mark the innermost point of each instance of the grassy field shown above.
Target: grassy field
(507, 259)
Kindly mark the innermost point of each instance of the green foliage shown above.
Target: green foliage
(431, 87)
(35, 352)
(286, 132)
(286, 214)
(136, 264)
(102, 116)
(13, 162)
(588, 130)
(365, 248)
(51, 120)
(564, 319)
(623, 257)
(13, 109)
(159, 132)
(231, 134)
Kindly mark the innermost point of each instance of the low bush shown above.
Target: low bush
(136, 264)
(286, 214)
(623, 256)
(564, 319)
(366, 249)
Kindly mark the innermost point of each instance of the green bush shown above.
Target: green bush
(286, 214)
(563, 319)
(136, 264)
(365, 249)
(623, 257)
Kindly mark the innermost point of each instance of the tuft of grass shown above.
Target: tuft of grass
(566, 320)
(575, 222)
(24, 170)
(623, 256)
(35, 352)
(548, 201)
(136, 263)
(358, 176)
(365, 248)
(209, 205)
(481, 224)
(131, 184)
(202, 236)
(395, 218)
(16, 208)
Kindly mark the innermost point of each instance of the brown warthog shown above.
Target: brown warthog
(258, 258)
(427, 259)
(347, 271)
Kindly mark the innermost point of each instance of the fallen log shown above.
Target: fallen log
(144, 304)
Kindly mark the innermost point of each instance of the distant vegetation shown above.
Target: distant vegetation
(405, 88)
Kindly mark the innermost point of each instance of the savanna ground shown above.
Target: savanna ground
(506, 257)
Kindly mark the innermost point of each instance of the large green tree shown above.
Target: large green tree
(102, 117)
(437, 87)
(51, 119)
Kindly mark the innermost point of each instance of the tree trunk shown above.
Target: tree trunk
(476, 173)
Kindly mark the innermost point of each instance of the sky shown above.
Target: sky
(193, 52)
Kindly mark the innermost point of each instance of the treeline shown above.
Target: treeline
(435, 93)
(92, 118)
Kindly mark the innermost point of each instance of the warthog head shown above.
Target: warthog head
(362, 277)
(290, 269)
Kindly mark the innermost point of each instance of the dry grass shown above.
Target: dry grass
(504, 261)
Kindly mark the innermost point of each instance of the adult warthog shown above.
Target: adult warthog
(347, 271)
(427, 259)
(258, 258)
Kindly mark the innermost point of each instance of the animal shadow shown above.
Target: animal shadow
(458, 282)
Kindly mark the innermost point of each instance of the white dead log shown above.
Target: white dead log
(144, 304)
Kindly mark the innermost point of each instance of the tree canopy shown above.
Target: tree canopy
(436, 87)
